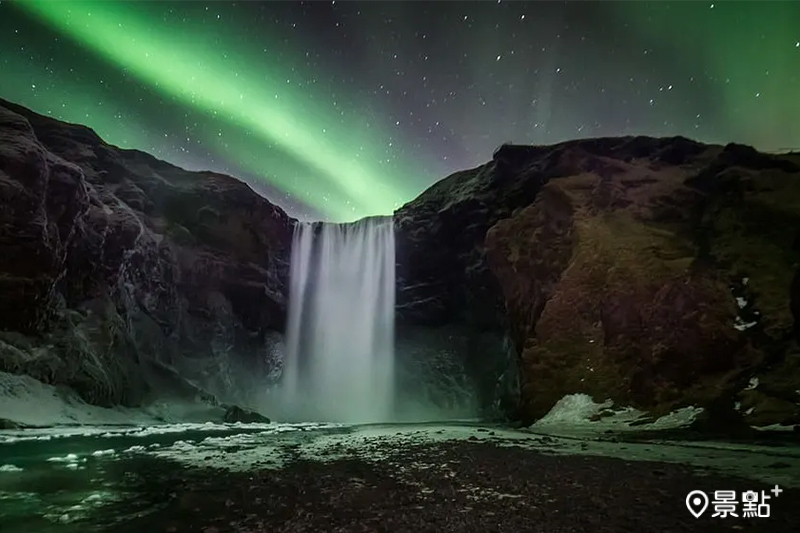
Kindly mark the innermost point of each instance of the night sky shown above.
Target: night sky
(343, 109)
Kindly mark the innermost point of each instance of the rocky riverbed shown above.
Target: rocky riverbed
(458, 476)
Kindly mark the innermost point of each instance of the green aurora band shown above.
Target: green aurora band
(182, 65)
(74, 101)
(750, 49)
(155, 71)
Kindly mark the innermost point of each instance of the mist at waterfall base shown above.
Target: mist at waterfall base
(341, 360)
(340, 338)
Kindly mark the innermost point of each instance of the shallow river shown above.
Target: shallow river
(89, 478)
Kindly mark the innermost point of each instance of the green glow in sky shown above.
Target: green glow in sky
(344, 110)
(750, 49)
(71, 99)
(344, 181)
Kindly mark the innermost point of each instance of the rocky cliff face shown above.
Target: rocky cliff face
(116, 269)
(658, 273)
(445, 288)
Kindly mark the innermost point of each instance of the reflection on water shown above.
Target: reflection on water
(53, 482)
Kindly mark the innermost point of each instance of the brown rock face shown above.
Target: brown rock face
(113, 263)
(444, 286)
(658, 274)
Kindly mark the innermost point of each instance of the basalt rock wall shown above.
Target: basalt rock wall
(658, 273)
(445, 286)
(117, 269)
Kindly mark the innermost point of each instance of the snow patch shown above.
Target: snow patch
(69, 458)
(29, 402)
(573, 409)
(70, 461)
(752, 384)
(741, 325)
(575, 412)
(385, 443)
(773, 427)
(101, 453)
(676, 419)
(139, 432)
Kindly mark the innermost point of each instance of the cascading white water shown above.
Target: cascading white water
(339, 363)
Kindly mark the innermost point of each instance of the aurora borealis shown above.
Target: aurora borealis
(341, 109)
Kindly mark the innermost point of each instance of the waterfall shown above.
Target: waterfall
(339, 363)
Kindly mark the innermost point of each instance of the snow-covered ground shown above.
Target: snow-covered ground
(72, 435)
(240, 447)
(574, 413)
(31, 403)
(83, 458)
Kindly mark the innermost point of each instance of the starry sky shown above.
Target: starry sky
(338, 110)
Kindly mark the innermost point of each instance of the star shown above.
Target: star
(292, 97)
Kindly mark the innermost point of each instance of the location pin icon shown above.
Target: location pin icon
(697, 502)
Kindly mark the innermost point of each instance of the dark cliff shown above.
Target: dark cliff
(658, 273)
(117, 269)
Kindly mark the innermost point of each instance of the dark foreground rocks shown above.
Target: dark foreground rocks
(235, 414)
(450, 487)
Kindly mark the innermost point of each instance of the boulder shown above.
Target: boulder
(235, 414)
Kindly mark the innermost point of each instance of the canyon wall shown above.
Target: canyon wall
(120, 273)
(657, 273)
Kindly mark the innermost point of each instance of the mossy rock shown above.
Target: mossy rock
(618, 284)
